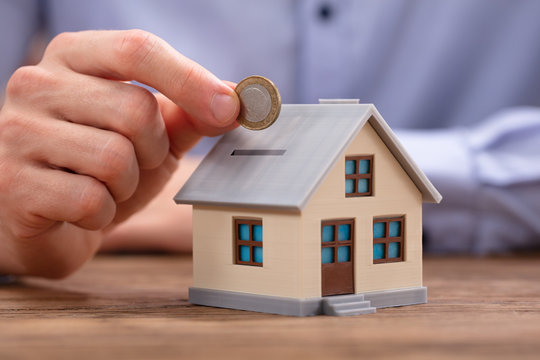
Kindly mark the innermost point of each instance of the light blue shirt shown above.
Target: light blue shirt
(468, 71)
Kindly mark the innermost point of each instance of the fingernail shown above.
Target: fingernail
(223, 108)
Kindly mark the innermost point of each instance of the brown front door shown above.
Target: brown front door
(337, 239)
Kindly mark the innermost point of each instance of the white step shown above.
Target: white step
(351, 305)
(343, 298)
(351, 312)
(347, 305)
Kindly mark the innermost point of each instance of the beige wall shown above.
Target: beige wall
(291, 241)
(394, 194)
(213, 253)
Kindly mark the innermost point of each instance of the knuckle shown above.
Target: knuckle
(29, 79)
(20, 231)
(141, 107)
(134, 47)
(14, 126)
(193, 74)
(60, 42)
(26, 225)
(117, 157)
(93, 200)
(20, 79)
(10, 171)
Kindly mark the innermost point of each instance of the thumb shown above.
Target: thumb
(183, 131)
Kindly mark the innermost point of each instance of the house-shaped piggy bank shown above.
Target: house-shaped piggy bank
(321, 213)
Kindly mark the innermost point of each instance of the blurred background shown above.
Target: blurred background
(458, 80)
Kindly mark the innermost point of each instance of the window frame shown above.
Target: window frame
(356, 177)
(386, 240)
(250, 243)
(336, 243)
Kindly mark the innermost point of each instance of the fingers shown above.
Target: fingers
(150, 184)
(51, 196)
(89, 150)
(123, 108)
(141, 56)
(104, 155)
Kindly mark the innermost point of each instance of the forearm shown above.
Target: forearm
(489, 176)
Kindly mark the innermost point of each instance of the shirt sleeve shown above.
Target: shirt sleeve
(6, 279)
(489, 176)
(19, 20)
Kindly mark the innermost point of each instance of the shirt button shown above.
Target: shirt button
(325, 12)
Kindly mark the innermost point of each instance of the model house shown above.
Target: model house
(319, 213)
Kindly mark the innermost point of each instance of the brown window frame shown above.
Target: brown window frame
(387, 240)
(338, 243)
(250, 243)
(356, 177)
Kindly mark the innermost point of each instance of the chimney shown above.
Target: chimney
(339, 101)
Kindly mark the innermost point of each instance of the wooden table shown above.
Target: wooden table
(136, 307)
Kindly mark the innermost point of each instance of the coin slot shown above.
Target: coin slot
(258, 152)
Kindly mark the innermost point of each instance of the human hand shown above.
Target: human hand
(81, 150)
(162, 226)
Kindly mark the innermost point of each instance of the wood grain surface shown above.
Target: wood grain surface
(135, 307)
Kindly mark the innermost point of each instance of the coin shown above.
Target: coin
(260, 102)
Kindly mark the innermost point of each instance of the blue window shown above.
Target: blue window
(243, 230)
(327, 255)
(344, 232)
(388, 240)
(378, 251)
(248, 242)
(337, 241)
(350, 167)
(328, 233)
(358, 175)
(379, 230)
(394, 250)
(245, 255)
(344, 253)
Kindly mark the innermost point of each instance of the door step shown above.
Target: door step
(347, 305)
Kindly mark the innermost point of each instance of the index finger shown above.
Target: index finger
(144, 57)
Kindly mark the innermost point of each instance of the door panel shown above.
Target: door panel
(337, 241)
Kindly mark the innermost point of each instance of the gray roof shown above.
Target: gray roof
(313, 138)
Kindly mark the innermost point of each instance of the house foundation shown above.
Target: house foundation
(353, 304)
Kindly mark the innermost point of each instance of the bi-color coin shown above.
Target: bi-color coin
(260, 102)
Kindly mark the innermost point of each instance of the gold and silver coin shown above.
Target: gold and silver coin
(260, 102)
